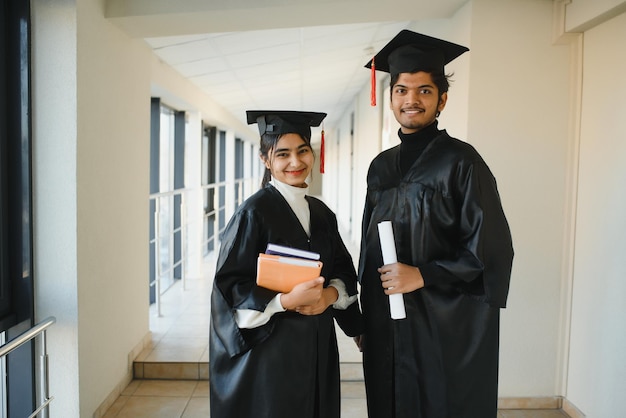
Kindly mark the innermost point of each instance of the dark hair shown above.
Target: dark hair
(268, 142)
(441, 80)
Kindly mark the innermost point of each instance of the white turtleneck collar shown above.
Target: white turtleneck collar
(295, 197)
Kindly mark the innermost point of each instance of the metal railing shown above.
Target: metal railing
(38, 330)
(165, 232)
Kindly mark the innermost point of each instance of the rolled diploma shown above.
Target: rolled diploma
(388, 247)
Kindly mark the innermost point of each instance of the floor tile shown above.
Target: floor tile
(176, 388)
(153, 407)
(131, 388)
(173, 354)
(203, 370)
(180, 371)
(197, 408)
(532, 413)
(202, 389)
(116, 407)
(353, 408)
(169, 341)
(352, 390)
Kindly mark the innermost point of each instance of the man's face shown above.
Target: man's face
(415, 101)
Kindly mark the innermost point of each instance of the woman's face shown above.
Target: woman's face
(291, 160)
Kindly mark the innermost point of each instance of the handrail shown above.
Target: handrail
(244, 187)
(23, 338)
(26, 336)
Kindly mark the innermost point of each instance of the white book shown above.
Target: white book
(276, 249)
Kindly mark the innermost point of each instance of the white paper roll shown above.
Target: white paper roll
(388, 248)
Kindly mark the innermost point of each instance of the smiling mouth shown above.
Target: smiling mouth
(295, 173)
(412, 111)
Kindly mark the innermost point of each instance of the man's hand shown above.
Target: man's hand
(400, 278)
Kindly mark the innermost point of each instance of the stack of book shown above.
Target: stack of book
(280, 268)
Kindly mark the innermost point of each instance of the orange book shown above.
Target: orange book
(281, 274)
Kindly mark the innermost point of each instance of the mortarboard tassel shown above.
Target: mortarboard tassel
(373, 77)
(322, 152)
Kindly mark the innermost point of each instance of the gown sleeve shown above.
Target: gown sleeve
(249, 318)
(484, 240)
(343, 300)
(234, 285)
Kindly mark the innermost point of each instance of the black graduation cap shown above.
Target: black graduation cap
(409, 52)
(288, 121)
(285, 121)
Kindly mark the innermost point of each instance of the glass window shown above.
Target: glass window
(16, 281)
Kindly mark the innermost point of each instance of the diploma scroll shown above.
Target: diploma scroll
(388, 247)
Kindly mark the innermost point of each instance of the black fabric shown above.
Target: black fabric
(290, 366)
(280, 122)
(412, 145)
(442, 360)
(409, 52)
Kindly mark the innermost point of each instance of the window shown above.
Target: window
(167, 167)
(222, 179)
(16, 280)
(239, 185)
(209, 146)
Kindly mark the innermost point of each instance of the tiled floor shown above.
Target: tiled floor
(190, 399)
(175, 368)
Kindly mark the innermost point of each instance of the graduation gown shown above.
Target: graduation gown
(442, 360)
(290, 366)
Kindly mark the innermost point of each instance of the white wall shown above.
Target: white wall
(367, 140)
(597, 368)
(341, 174)
(91, 123)
(518, 120)
(585, 14)
(90, 182)
(55, 192)
(112, 176)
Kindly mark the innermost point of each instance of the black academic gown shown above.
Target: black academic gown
(442, 360)
(288, 367)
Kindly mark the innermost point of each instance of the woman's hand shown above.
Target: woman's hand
(309, 298)
(328, 297)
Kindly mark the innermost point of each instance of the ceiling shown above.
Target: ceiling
(269, 56)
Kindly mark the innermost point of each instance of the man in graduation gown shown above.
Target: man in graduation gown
(454, 253)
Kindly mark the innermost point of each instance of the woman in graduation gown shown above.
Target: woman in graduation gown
(275, 354)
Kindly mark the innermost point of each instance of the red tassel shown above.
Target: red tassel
(373, 77)
(322, 153)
